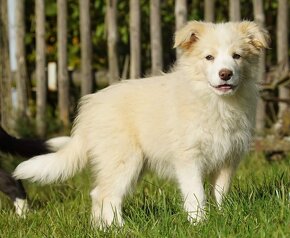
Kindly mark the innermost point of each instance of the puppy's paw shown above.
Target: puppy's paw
(21, 207)
(196, 217)
(103, 224)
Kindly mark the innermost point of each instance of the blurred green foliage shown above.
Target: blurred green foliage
(26, 127)
(98, 26)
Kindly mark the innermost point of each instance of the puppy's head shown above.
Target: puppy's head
(224, 55)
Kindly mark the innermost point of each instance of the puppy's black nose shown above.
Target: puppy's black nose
(225, 74)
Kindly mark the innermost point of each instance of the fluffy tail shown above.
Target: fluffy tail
(54, 166)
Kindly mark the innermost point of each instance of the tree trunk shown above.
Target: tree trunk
(209, 10)
(111, 18)
(21, 73)
(86, 48)
(180, 18)
(41, 83)
(282, 49)
(5, 79)
(156, 38)
(63, 82)
(235, 10)
(135, 39)
(261, 106)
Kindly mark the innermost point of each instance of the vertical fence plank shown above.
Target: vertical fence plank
(111, 18)
(5, 77)
(21, 73)
(41, 85)
(283, 49)
(135, 39)
(259, 17)
(156, 38)
(63, 81)
(209, 10)
(86, 48)
(235, 10)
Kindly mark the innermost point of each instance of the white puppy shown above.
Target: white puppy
(193, 122)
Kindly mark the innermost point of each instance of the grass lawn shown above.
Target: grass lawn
(257, 206)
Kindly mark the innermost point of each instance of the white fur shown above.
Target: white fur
(176, 124)
(21, 207)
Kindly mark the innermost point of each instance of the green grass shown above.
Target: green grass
(257, 206)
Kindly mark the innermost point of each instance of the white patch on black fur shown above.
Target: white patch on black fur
(21, 207)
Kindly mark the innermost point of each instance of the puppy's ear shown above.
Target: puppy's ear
(255, 35)
(188, 35)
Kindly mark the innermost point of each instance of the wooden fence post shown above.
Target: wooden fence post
(5, 77)
(41, 82)
(111, 20)
(21, 73)
(259, 17)
(209, 10)
(86, 48)
(283, 49)
(156, 38)
(235, 10)
(63, 81)
(135, 39)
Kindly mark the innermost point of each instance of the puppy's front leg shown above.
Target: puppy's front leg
(189, 177)
(221, 181)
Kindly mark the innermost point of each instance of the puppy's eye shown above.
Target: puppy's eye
(209, 57)
(236, 56)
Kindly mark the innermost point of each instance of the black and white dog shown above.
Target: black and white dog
(25, 148)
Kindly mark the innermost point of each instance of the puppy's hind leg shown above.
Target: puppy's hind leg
(115, 177)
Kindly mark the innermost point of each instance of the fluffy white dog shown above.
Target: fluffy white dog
(194, 122)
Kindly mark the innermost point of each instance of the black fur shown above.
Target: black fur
(11, 187)
(25, 148)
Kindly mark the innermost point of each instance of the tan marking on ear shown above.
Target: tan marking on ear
(193, 38)
(256, 35)
(188, 35)
(257, 44)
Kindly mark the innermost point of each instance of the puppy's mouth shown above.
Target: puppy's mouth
(224, 88)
